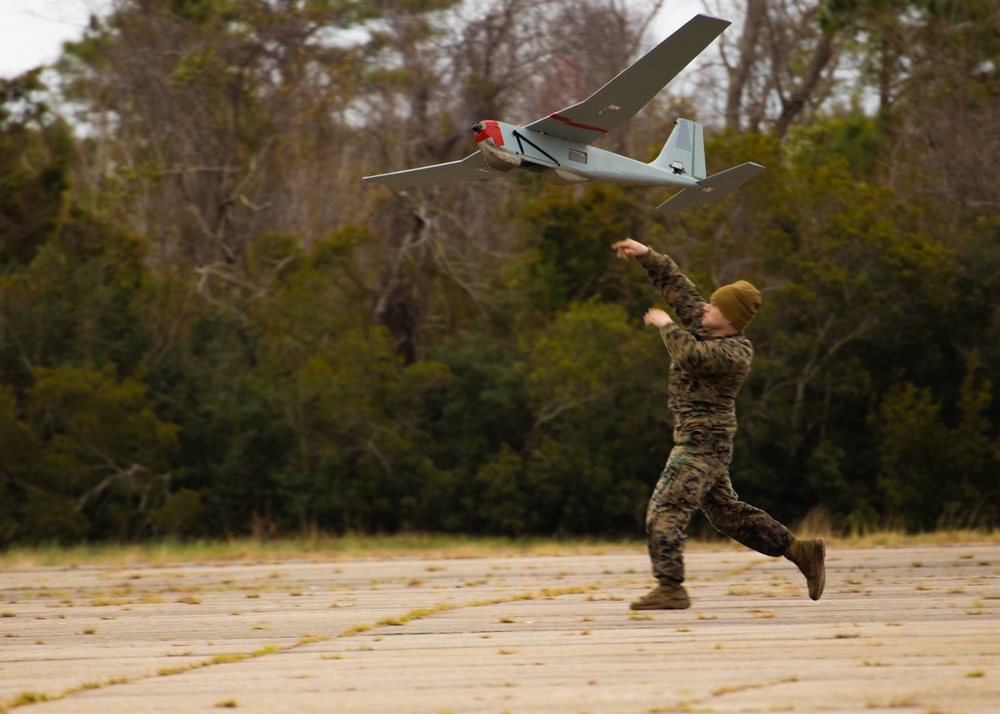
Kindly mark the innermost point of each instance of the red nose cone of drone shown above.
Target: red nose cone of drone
(488, 130)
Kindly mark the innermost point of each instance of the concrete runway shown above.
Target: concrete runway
(902, 630)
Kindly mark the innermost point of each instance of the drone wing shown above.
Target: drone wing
(622, 97)
(472, 168)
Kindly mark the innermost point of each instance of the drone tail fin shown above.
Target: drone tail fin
(712, 188)
(684, 152)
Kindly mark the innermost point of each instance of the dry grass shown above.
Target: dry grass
(316, 548)
(324, 548)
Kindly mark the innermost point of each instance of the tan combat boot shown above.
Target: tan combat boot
(809, 555)
(665, 596)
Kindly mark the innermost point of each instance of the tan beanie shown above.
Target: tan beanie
(738, 302)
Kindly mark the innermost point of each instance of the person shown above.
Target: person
(710, 359)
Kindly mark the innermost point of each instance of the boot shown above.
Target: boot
(809, 555)
(668, 595)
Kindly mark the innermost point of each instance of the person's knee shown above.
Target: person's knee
(720, 507)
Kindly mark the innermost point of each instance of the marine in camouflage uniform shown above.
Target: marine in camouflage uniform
(710, 360)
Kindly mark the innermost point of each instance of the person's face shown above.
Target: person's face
(713, 320)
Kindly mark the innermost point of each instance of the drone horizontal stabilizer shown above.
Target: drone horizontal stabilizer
(712, 188)
(472, 168)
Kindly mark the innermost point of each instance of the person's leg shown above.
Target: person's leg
(678, 494)
(686, 478)
(757, 530)
(744, 523)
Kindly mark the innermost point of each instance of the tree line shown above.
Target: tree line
(209, 327)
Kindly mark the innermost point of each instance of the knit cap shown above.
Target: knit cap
(738, 302)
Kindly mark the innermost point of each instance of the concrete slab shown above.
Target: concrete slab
(901, 630)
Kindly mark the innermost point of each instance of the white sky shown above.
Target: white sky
(32, 31)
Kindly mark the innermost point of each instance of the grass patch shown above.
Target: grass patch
(639, 616)
(316, 548)
(355, 630)
(421, 613)
(324, 548)
(30, 698)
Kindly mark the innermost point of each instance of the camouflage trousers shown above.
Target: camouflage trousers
(696, 476)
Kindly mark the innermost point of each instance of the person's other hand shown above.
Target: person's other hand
(656, 317)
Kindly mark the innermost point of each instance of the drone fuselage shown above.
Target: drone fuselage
(507, 146)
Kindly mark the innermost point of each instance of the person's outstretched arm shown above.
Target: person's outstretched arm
(679, 292)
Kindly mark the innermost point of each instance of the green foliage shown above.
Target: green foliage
(568, 242)
(914, 459)
(934, 472)
(35, 154)
(362, 431)
(183, 514)
(589, 413)
(854, 288)
(19, 452)
(77, 301)
(87, 458)
(858, 139)
(188, 347)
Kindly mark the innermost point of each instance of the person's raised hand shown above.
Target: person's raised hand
(629, 248)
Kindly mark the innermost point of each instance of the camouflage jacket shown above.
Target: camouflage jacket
(706, 372)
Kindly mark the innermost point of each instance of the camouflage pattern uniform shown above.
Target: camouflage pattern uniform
(706, 374)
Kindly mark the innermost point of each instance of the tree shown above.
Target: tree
(932, 68)
(933, 473)
(91, 460)
(597, 433)
(35, 155)
(197, 108)
(210, 327)
(854, 289)
(783, 66)
(79, 301)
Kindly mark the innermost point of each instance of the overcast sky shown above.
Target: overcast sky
(32, 31)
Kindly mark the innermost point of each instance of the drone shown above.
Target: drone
(558, 147)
